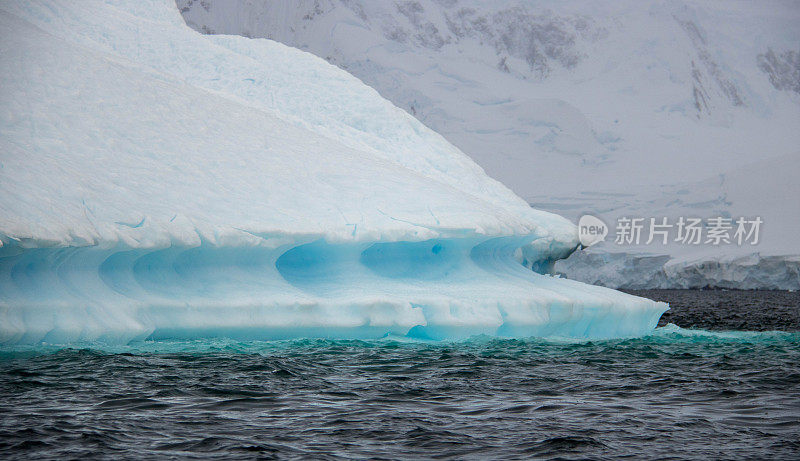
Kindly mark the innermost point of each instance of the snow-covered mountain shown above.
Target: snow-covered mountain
(160, 183)
(607, 108)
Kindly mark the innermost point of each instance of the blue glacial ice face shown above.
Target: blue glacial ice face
(157, 183)
(436, 289)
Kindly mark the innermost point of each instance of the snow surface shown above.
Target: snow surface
(158, 183)
(591, 107)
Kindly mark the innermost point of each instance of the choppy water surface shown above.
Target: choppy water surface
(678, 393)
(753, 310)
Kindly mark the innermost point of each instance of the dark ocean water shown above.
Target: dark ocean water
(753, 310)
(679, 393)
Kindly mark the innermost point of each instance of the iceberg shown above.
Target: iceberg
(158, 183)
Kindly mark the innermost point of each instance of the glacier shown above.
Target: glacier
(613, 109)
(760, 189)
(158, 183)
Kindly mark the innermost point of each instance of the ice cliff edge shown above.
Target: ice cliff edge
(158, 183)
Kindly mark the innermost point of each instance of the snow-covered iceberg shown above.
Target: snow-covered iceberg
(158, 183)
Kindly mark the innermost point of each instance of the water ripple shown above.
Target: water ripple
(679, 393)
